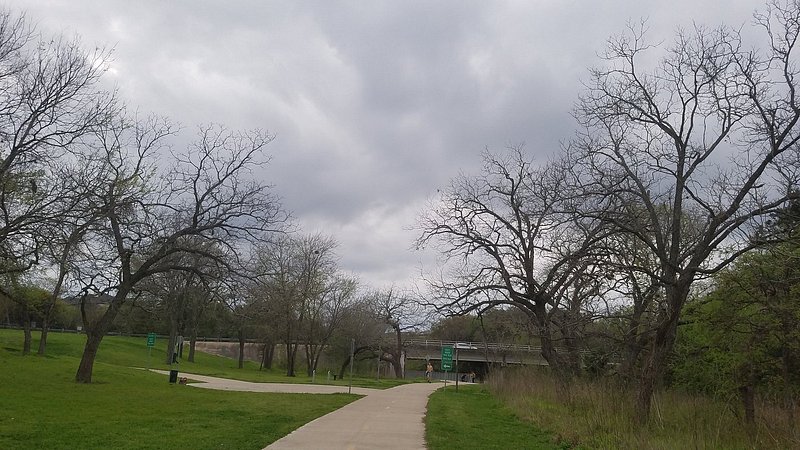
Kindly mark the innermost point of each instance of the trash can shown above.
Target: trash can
(173, 376)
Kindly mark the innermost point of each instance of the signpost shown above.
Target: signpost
(447, 358)
(352, 356)
(447, 361)
(151, 342)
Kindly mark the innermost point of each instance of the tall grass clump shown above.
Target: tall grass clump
(600, 414)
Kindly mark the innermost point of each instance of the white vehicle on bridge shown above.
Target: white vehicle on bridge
(465, 346)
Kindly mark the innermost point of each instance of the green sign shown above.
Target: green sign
(447, 358)
(151, 340)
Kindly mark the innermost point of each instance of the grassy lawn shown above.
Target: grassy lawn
(472, 418)
(216, 366)
(42, 407)
(132, 352)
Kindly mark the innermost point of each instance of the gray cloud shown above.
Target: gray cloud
(375, 104)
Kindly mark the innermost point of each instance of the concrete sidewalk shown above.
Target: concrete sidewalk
(226, 384)
(387, 419)
(384, 418)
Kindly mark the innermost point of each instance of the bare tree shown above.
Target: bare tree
(401, 313)
(60, 250)
(504, 325)
(279, 293)
(297, 278)
(656, 143)
(361, 329)
(267, 315)
(635, 298)
(513, 238)
(243, 308)
(182, 296)
(151, 216)
(317, 271)
(63, 244)
(326, 313)
(49, 100)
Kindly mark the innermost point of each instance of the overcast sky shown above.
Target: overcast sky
(375, 105)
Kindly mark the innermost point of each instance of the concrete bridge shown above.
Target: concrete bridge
(416, 349)
(483, 352)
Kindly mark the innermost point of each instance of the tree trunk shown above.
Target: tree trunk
(788, 393)
(291, 350)
(562, 375)
(398, 366)
(291, 359)
(192, 345)
(397, 357)
(390, 357)
(309, 359)
(654, 368)
(191, 325)
(633, 344)
(550, 354)
(95, 335)
(241, 349)
(173, 340)
(634, 338)
(289, 362)
(295, 347)
(317, 355)
(344, 367)
(632, 350)
(313, 353)
(43, 336)
(26, 331)
(85, 368)
(268, 355)
(52, 304)
(748, 394)
(573, 357)
(346, 362)
(662, 344)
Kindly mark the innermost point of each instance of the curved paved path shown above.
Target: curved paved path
(226, 384)
(387, 419)
(384, 418)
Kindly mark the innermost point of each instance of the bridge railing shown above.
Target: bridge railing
(463, 345)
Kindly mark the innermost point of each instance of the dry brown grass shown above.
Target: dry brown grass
(600, 415)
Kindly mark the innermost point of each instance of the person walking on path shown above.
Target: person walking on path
(429, 372)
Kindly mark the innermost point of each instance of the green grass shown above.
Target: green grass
(472, 418)
(217, 366)
(132, 352)
(42, 407)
